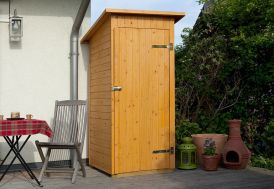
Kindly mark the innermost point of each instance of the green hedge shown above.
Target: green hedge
(225, 70)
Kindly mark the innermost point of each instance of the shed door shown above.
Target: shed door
(142, 106)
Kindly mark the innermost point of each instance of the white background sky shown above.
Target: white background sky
(190, 7)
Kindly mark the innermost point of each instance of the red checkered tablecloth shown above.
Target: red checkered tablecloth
(24, 127)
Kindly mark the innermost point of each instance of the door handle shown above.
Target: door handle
(116, 88)
(169, 46)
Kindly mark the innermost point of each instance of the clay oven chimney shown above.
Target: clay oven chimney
(235, 154)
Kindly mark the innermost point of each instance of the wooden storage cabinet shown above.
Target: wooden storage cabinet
(131, 91)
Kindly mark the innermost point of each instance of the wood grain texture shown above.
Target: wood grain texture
(142, 107)
(125, 127)
(141, 21)
(143, 14)
(172, 95)
(99, 99)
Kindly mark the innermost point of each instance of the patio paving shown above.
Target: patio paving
(251, 178)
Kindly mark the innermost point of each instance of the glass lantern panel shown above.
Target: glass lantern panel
(193, 157)
(185, 157)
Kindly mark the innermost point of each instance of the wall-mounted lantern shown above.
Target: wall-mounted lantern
(16, 27)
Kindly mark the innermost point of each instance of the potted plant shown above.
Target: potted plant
(210, 158)
(199, 141)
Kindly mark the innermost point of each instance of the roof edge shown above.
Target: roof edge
(109, 11)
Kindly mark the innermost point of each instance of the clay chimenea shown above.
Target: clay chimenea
(235, 154)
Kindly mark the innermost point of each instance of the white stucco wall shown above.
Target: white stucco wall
(35, 72)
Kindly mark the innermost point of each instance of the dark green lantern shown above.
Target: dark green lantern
(187, 154)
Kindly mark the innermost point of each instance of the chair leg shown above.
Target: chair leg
(79, 158)
(76, 169)
(40, 151)
(44, 165)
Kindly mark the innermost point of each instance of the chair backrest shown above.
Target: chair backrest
(70, 122)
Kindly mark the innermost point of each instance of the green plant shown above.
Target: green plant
(209, 147)
(185, 128)
(225, 69)
(262, 162)
(268, 139)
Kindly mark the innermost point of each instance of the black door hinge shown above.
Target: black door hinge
(171, 151)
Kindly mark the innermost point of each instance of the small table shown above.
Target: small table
(12, 131)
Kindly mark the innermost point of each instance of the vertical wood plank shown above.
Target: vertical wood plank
(136, 97)
(172, 94)
(166, 88)
(88, 109)
(154, 95)
(117, 99)
(126, 157)
(145, 144)
(113, 67)
(99, 79)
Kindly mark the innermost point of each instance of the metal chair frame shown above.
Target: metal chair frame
(69, 128)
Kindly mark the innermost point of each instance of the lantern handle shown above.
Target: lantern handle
(184, 134)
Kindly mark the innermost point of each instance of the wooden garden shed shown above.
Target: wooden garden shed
(131, 91)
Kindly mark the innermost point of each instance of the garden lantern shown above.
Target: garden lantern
(16, 27)
(187, 154)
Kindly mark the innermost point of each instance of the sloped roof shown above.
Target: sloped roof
(107, 12)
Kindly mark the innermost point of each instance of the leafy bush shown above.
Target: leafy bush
(214, 125)
(267, 141)
(225, 70)
(185, 129)
(260, 161)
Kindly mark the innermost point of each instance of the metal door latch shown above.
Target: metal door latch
(169, 46)
(116, 88)
(171, 151)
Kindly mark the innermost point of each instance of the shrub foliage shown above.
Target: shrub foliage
(225, 70)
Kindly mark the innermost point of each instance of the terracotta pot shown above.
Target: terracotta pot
(211, 163)
(199, 140)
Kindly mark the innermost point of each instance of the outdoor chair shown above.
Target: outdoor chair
(66, 145)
